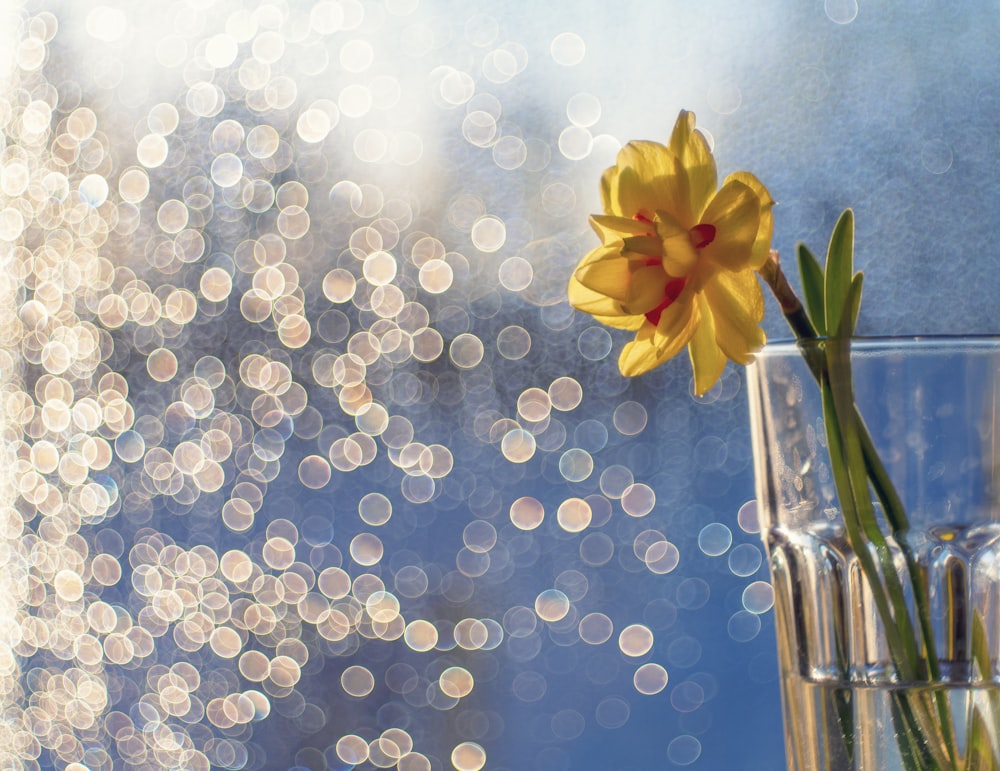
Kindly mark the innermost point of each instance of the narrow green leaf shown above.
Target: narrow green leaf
(852, 484)
(839, 270)
(914, 721)
(981, 647)
(914, 750)
(856, 285)
(852, 304)
(811, 273)
(838, 425)
(980, 752)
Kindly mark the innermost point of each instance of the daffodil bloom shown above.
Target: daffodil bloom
(678, 257)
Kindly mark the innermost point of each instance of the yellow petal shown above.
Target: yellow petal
(737, 308)
(580, 291)
(691, 147)
(762, 244)
(639, 356)
(655, 345)
(604, 309)
(606, 272)
(679, 254)
(631, 323)
(646, 289)
(637, 247)
(676, 326)
(598, 253)
(612, 229)
(735, 214)
(646, 177)
(707, 359)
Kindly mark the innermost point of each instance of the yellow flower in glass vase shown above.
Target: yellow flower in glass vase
(678, 257)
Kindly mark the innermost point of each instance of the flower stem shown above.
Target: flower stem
(861, 467)
(791, 306)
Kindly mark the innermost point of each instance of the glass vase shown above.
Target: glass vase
(930, 408)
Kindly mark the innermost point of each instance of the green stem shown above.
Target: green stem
(860, 445)
(903, 648)
(857, 451)
(854, 477)
(983, 722)
(840, 465)
(895, 515)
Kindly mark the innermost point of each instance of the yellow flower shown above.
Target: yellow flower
(678, 257)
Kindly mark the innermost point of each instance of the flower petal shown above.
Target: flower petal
(737, 305)
(654, 345)
(691, 147)
(677, 323)
(646, 177)
(735, 213)
(707, 358)
(631, 323)
(606, 272)
(679, 254)
(604, 309)
(612, 229)
(639, 356)
(638, 247)
(762, 244)
(646, 289)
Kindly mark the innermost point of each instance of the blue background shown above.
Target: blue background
(892, 109)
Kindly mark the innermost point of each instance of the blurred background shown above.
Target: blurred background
(310, 465)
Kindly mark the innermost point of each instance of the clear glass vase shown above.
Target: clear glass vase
(931, 408)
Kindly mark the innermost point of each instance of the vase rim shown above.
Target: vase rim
(885, 343)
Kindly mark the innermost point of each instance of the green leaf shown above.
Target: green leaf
(811, 273)
(980, 751)
(981, 647)
(852, 304)
(839, 270)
